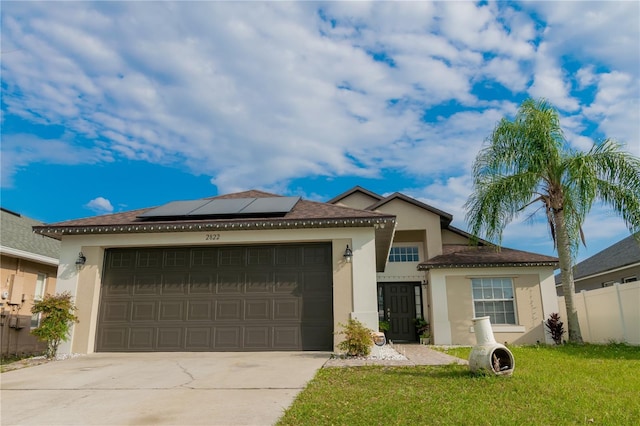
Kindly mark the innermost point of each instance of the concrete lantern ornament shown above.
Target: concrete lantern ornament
(488, 356)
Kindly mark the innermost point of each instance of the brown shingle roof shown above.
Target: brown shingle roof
(303, 215)
(464, 256)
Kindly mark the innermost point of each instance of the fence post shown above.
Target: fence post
(583, 294)
(622, 322)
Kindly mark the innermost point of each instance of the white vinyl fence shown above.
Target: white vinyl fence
(610, 314)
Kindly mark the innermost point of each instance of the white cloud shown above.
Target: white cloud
(259, 94)
(100, 205)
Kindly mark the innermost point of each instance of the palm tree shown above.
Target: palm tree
(528, 161)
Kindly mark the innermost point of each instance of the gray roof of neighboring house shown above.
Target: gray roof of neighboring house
(18, 239)
(624, 252)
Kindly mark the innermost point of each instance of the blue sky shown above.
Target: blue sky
(112, 106)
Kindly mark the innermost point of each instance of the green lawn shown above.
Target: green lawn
(588, 384)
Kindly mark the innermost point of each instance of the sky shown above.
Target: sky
(114, 106)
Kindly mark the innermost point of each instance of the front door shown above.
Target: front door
(400, 311)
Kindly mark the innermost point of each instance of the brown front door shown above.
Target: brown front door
(400, 311)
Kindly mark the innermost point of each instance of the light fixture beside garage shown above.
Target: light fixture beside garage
(80, 261)
(348, 254)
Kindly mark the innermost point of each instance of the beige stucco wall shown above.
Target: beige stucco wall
(534, 298)
(413, 218)
(18, 277)
(357, 200)
(354, 283)
(449, 237)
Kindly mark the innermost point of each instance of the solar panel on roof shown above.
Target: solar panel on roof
(223, 207)
(271, 205)
(174, 209)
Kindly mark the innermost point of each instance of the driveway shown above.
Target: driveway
(219, 388)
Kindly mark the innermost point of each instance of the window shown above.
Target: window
(607, 284)
(404, 254)
(493, 297)
(629, 279)
(41, 285)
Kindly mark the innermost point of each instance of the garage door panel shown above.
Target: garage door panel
(120, 285)
(144, 311)
(257, 337)
(229, 310)
(257, 309)
(228, 337)
(110, 338)
(142, 338)
(172, 310)
(147, 284)
(148, 259)
(174, 284)
(176, 259)
(200, 310)
(316, 309)
(258, 282)
(230, 282)
(200, 283)
(286, 309)
(198, 338)
(316, 281)
(286, 282)
(170, 338)
(286, 338)
(316, 338)
(222, 298)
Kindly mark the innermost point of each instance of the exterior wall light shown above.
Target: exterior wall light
(348, 254)
(80, 261)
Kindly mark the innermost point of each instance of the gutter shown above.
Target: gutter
(29, 256)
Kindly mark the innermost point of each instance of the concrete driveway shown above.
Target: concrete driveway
(158, 389)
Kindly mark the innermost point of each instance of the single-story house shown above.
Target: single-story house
(28, 270)
(253, 271)
(618, 263)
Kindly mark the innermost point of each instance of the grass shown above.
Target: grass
(571, 384)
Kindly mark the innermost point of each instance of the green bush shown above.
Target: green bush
(357, 341)
(57, 317)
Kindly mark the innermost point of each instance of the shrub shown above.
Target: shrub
(357, 341)
(555, 327)
(57, 316)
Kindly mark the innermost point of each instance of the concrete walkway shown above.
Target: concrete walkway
(416, 355)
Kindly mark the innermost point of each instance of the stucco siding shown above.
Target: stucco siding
(354, 283)
(529, 295)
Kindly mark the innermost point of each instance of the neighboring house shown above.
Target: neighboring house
(434, 272)
(619, 263)
(28, 269)
(253, 271)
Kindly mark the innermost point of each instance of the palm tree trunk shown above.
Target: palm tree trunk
(566, 274)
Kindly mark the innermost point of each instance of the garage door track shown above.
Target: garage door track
(209, 388)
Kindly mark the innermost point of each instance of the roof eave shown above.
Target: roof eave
(152, 227)
(423, 267)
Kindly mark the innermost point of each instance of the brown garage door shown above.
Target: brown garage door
(228, 298)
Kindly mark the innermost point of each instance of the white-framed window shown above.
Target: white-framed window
(629, 279)
(607, 284)
(494, 297)
(404, 254)
(38, 294)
